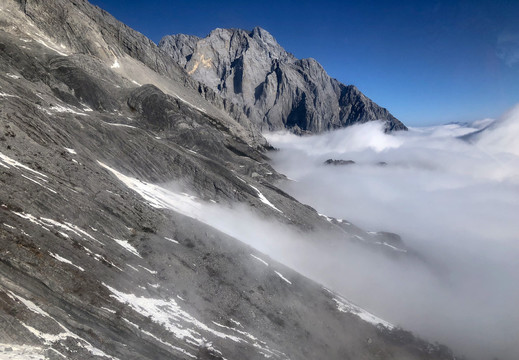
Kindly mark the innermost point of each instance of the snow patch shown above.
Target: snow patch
(71, 151)
(174, 241)
(148, 270)
(160, 340)
(83, 232)
(184, 326)
(169, 314)
(8, 95)
(51, 47)
(326, 217)
(125, 244)
(70, 228)
(116, 64)
(391, 246)
(50, 339)
(346, 306)
(103, 259)
(120, 125)
(236, 322)
(66, 109)
(159, 197)
(86, 108)
(261, 260)
(28, 304)
(132, 267)
(44, 223)
(57, 352)
(31, 219)
(264, 349)
(66, 261)
(283, 278)
(7, 161)
(264, 200)
(39, 183)
(18, 352)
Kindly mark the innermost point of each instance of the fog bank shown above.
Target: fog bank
(454, 201)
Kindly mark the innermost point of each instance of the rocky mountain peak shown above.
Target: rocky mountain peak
(273, 88)
(261, 35)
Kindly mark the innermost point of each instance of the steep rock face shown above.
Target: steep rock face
(102, 257)
(78, 27)
(275, 89)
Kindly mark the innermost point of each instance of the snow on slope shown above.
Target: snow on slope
(159, 197)
(184, 326)
(185, 204)
(346, 306)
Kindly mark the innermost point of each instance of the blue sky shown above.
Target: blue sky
(428, 62)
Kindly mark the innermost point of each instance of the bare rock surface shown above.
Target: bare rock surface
(275, 90)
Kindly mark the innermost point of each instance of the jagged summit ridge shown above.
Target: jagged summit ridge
(274, 88)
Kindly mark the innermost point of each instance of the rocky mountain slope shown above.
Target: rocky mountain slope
(109, 158)
(273, 88)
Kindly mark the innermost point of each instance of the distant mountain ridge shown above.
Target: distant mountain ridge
(275, 89)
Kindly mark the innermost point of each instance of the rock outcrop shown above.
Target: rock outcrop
(339, 162)
(274, 89)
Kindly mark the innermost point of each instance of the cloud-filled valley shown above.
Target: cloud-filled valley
(452, 197)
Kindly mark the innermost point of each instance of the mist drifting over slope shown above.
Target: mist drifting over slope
(455, 201)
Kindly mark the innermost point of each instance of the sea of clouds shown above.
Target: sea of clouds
(452, 193)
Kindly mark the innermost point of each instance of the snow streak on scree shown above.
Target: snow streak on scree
(455, 201)
(238, 224)
(184, 326)
(48, 339)
(168, 313)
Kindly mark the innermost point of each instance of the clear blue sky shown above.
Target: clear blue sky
(428, 62)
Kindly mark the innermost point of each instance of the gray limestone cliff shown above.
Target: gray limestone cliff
(274, 89)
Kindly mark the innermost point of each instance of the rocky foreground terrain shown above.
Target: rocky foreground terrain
(110, 153)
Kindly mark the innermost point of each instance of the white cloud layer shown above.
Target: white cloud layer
(502, 136)
(455, 201)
